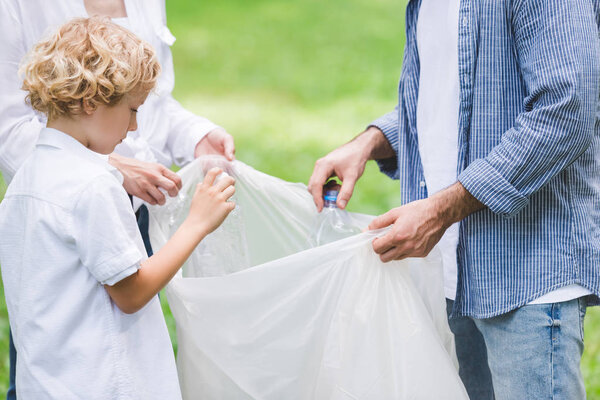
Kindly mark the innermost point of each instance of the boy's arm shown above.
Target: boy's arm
(209, 209)
(133, 292)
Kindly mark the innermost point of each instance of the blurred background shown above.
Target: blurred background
(291, 80)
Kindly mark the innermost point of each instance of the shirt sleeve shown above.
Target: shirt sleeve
(558, 51)
(388, 124)
(185, 131)
(20, 126)
(106, 232)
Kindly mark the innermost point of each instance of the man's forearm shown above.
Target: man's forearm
(455, 203)
(375, 144)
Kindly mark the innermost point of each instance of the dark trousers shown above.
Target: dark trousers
(12, 353)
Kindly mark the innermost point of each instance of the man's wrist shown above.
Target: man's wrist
(455, 203)
(373, 144)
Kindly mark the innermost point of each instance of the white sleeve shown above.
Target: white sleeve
(19, 124)
(185, 131)
(106, 232)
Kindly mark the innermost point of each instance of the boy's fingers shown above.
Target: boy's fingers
(224, 182)
(230, 206)
(211, 175)
(228, 192)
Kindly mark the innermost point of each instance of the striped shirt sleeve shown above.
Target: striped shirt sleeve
(557, 122)
(388, 124)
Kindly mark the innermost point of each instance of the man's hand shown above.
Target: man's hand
(217, 141)
(143, 179)
(419, 226)
(348, 163)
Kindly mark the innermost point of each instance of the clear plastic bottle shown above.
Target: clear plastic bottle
(174, 206)
(226, 249)
(333, 223)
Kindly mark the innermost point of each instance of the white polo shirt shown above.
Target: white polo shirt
(67, 228)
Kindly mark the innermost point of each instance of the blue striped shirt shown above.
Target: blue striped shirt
(528, 148)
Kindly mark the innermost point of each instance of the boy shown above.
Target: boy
(80, 292)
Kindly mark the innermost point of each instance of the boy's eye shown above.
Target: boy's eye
(134, 110)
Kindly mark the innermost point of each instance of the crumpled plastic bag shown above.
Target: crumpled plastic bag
(260, 315)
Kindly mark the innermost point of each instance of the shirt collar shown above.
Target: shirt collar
(60, 140)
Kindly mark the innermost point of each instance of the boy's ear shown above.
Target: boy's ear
(88, 107)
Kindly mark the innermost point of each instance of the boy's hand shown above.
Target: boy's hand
(209, 209)
(209, 205)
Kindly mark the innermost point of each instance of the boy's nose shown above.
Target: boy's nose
(132, 125)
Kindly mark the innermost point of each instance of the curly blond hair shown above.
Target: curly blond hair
(87, 61)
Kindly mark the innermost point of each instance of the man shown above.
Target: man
(496, 143)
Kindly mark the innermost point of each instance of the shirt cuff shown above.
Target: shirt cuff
(119, 267)
(388, 166)
(195, 134)
(121, 275)
(488, 186)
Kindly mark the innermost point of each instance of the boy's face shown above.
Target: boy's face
(110, 124)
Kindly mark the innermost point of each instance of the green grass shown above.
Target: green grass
(292, 80)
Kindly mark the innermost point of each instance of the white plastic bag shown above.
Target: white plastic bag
(331, 322)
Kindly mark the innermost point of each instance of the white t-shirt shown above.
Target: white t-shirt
(437, 112)
(67, 229)
(437, 124)
(167, 133)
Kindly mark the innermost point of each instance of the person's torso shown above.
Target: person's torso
(72, 340)
(491, 96)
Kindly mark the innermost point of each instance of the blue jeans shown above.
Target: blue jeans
(472, 356)
(534, 352)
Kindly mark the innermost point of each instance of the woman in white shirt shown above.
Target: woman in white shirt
(167, 133)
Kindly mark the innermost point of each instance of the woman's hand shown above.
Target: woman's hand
(217, 141)
(143, 179)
